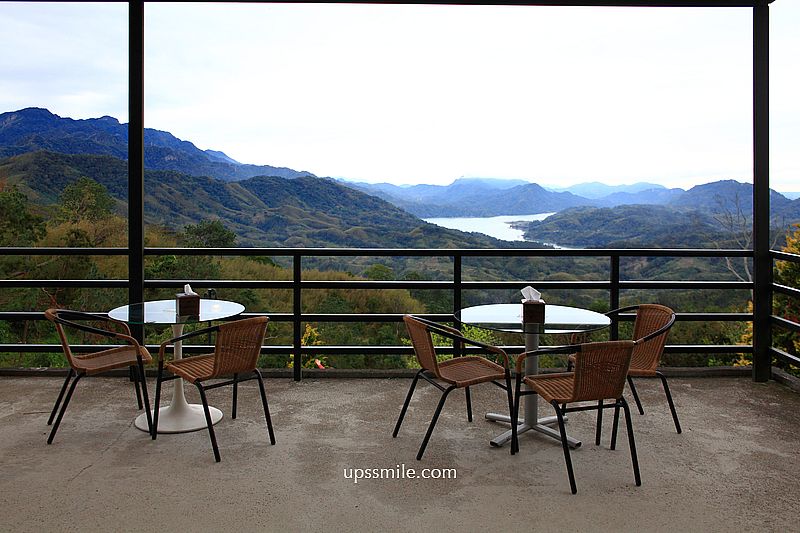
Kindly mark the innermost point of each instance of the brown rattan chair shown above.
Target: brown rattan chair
(456, 373)
(131, 355)
(600, 371)
(651, 327)
(236, 352)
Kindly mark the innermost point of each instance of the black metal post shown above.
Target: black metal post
(456, 283)
(136, 158)
(297, 312)
(762, 264)
(614, 295)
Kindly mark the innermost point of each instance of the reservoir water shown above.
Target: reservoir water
(498, 227)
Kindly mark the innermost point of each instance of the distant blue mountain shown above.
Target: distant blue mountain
(33, 129)
(474, 197)
(595, 189)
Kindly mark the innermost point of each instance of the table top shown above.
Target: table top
(164, 312)
(558, 318)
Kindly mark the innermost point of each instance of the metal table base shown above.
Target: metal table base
(531, 420)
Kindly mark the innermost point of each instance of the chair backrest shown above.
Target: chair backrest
(649, 319)
(423, 344)
(52, 316)
(239, 345)
(601, 369)
(67, 317)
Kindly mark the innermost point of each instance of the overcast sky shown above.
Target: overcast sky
(427, 94)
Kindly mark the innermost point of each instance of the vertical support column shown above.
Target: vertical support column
(456, 283)
(459, 347)
(613, 296)
(762, 263)
(136, 157)
(297, 311)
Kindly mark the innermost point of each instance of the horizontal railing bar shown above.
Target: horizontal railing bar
(783, 289)
(373, 284)
(403, 252)
(355, 349)
(785, 323)
(784, 256)
(793, 359)
(708, 348)
(61, 251)
(398, 317)
(67, 283)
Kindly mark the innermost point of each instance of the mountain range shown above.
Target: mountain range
(33, 128)
(41, 153)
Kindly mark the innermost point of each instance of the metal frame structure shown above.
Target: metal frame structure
(762, 255)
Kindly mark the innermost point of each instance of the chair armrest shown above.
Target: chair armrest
(80, 315)
(162, 347)
(454, 334)
(566, 349)
(622, 310)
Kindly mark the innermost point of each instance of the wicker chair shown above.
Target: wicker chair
(651, 328)
(456, 373)
(131, 355)
(236, 352)
(600, 371)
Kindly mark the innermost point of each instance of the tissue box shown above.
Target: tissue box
(533, 312)
(188, 304)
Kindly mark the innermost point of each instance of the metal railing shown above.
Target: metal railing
(457, 285)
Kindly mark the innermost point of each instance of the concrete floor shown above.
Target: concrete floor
(735, 467)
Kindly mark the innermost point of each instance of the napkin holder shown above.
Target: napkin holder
(532, 312)
(188, 304)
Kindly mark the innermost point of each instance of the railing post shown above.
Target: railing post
(762, 261)
(136, 158)
(297, 311)
(459, 349)
(613, 295)
(456, 283)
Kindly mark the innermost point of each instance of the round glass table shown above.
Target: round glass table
(179, 416)
(508, 318)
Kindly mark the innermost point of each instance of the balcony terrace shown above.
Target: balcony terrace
(732, 468)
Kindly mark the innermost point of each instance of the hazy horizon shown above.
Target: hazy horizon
(410, 94)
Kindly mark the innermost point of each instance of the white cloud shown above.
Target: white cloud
(427, 93)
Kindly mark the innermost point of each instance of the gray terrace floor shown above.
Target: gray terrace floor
(735, 467)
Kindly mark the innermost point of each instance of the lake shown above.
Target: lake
(498, 227)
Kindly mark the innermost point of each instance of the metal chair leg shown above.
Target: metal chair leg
(405, 405)
(208, 420)
(469, 404)
(514, 417)
(615, 428)
(64, 408)
(635, 395)
(159, 379)
(145, 394)
(60, 396)
(134, 376)
(433, 421)
(669, 400)
(599, 429)
(565, 446)
(510, 395)
(235, 394)
(631, 441)
(266, 407)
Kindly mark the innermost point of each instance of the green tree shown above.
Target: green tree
(85, 200)
(207, 234)
(18, 226)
